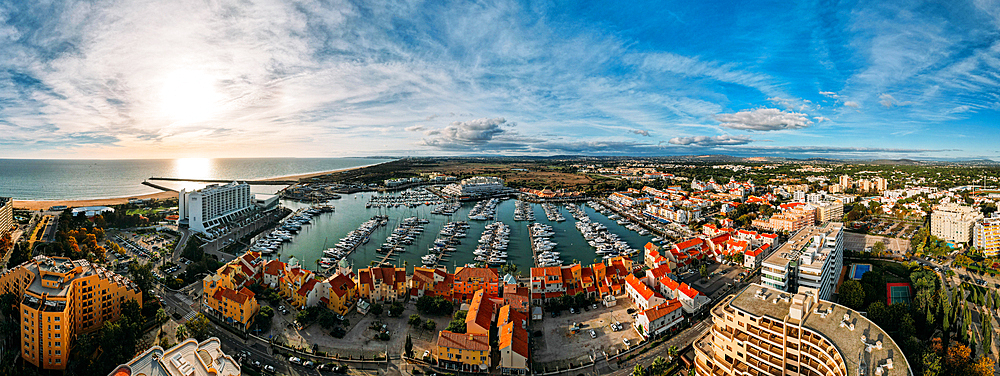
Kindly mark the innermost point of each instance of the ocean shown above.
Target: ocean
(75, 179)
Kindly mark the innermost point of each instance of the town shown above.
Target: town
(704, 268)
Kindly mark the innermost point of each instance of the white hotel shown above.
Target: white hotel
(204, 209)
(475, 186)
(812, 258)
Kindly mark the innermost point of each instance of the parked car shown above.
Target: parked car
(294, 360)
(268, 368)
(626, 342)
(426, 354)
(593, 334)
(308, 363)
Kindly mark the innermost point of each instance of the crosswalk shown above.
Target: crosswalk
(190, 315)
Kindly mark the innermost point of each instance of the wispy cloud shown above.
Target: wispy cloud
(640, 132)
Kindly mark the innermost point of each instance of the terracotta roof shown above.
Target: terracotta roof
(662, 310)
(660, 271)
(307, 287)
(669, 283)
(478, 342)
(464, 274)
(230, 294)
(690, 243)
(341, 284)
(515, 337)
(273, 267)
(508, 314)
(480, 311)
(688, 290)
(247, 292)
(639, 287)
(758, 251)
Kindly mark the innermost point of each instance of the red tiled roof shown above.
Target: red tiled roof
(639, 287)
(688, 290)
(669, 283)
(515, 337)
(478, 342)
(273, 267)
(307, 287)
(488, 274)
(690, 243)
(480, 311)
(662, 310)
(230, 294)
(660, 271)
(341, 284)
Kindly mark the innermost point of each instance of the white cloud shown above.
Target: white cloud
(886, 100)
(415, 128)
(820, 119)
(640, 132)
(852, 104)
(764, 119)
(829, 94)
(711, 140)
(472, 133)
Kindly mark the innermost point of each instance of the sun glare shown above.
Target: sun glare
(188, 96)
(193, 168)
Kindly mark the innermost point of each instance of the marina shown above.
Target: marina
(310, 242)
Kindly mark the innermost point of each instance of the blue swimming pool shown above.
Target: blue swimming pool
(859, 270)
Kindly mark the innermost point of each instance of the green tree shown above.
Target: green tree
(142, 275)
(703, 271)
(639, 370)
(987, 333)
(415, 320)
(457, 324)
(659, 366)
(377, 309)
(430, 325)
(852, 294)
(408, 347)
(199, 327)
(932, 364)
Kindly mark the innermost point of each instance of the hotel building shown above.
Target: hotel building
(6, 215)
(954, 223)
(812, 258)
(475, 187)
(986, 236)
(188, 358)
(207, 208)
(61, 298)
(763, 331)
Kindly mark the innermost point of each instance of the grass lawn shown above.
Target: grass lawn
(896, 272)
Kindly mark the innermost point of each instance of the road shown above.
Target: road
(681, 340)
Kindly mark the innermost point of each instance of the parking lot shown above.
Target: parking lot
(720, 277)
(861, 242)
(559, 346)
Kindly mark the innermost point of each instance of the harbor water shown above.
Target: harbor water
(326, 229)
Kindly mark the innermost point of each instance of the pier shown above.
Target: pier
(157, 186)
(225, 181)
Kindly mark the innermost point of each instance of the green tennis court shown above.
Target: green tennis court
(898, 293)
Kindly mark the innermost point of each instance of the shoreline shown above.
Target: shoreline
(45, 204)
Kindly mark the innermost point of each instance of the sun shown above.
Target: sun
(193, 168)
(189, 96)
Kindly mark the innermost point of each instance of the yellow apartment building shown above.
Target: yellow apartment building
(463, 352)
(61, 298)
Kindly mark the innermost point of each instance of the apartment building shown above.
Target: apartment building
(986, 236)
(469, 280)
(764, 331)
(812, 258)
(954, 223)
(794, 217)
(829, 211)
(381, 284)
(6, 215)
(188, 358)
(61, 298)
(477, 186)
(205, 209)
(466, 352)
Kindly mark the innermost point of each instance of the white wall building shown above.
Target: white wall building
(207, 208)
(812, 258)
(954, 222)
(6, 215)
(475, 186)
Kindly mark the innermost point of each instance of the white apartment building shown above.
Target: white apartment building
(829, 211)
(986, 236)
(6, 215)
(204, 209)
(812, 258)
(954, 223)
(475, 186)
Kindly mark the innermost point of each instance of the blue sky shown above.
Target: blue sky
(150, 79)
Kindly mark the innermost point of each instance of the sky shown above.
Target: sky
(263, 78)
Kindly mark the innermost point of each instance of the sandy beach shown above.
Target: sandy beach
(42, 205)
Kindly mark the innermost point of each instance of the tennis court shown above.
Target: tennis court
(859, 270)
(898, 292)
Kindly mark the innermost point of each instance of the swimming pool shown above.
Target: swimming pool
(858, 270)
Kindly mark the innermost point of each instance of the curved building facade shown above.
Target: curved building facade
(764, 331)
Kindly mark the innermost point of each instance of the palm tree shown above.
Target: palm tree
(672, 352)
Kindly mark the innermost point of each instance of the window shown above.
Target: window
(58, 335)
(58, 326)
(58, 352)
